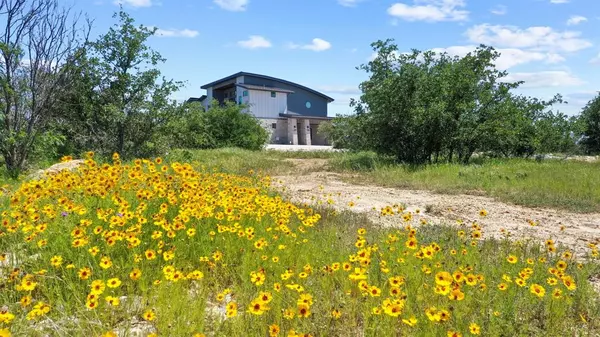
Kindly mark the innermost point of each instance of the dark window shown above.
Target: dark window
(274, 125)
(273, 94)
(240, 99)
(245, 93)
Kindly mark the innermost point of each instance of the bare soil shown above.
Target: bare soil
(311, 182)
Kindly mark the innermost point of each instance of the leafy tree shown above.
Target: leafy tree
(37, 44)
(590, 119)
(121, 102)
(426, 107)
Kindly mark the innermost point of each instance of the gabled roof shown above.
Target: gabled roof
(242, 73)
(263, 88)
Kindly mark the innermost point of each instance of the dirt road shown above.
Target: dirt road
(520, 222)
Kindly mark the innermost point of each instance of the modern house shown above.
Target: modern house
(289, 111)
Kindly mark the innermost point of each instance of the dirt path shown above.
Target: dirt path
(310, 187)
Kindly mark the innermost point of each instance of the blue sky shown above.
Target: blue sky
(550, 44)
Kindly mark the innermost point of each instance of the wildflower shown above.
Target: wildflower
(474, 329)
(537, 290)
(231, 309)
(336, 314)
(149, 315)
(257, 307)
(443, 278)
(451, 333)
(412, 321)
(274, 330)
(303, 310)
(512, 259)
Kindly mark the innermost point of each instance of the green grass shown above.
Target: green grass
(571, 185)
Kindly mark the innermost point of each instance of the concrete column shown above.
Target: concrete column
(306, 127)
(292, 131)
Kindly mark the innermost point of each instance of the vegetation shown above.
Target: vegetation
(561, 184)
(220, 126)
(185, 251)
(425, 107)
(590, 118)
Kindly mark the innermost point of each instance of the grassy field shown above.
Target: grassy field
(173, 249)
(571, 185)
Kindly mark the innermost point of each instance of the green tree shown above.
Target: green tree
(423, 107)
(37, 44)
(590, 120)
(121, 102)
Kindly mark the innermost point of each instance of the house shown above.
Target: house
(289, 111)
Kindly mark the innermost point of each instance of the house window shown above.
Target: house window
(240, 99)
(245, 93)
(274, 125)
(308, 105)
(273, 94)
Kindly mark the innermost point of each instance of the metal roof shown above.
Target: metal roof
(242, 73)
(263, 88)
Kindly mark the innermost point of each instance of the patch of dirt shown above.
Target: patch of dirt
(308, 165)
(502, 219)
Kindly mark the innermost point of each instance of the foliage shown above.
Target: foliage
(590, 118)
(426, 107)
(38, 39)
(120, 101)
(221, 126)
(178, 251)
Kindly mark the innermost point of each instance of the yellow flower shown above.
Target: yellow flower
(4, 333)
(537, 290)
(512, 259)
(303, 310)
(443, 278)
(274, 330)
(113, 283)
(474, 329)
(257, 307)
(410, 322)
(149, 315)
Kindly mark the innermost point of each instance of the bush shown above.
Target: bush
(219, 127)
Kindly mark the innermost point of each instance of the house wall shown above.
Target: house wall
(262, 105)
(279, 134)
(209, 97)
(296, 102)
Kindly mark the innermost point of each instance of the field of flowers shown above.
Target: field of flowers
(175, 249)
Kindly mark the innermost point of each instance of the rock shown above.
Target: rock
(68, 165)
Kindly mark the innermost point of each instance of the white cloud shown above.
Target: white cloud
(509, 57)
(177, 33)
(559, 1)
(255, 42)
(232, 5)
(499, 10)
(430, 10)
(134, 3)
(339, 89)
(537, 38)
(575, 20)
(596, 60)
(317, 44)
(348, 3)
(545, 79)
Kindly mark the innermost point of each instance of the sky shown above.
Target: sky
(552, 45)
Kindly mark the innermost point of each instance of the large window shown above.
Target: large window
(273, 94)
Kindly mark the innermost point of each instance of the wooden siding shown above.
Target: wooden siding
(262, 105)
